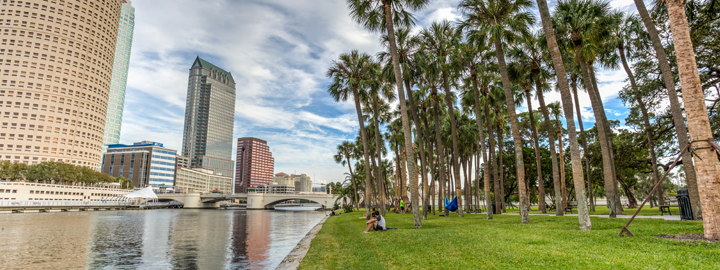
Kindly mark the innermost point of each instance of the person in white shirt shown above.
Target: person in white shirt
(377, 222)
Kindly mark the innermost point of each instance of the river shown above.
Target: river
(153, 239)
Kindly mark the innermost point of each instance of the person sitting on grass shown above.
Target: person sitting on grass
(377, 222)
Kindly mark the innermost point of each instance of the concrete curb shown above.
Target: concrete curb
(292, 260)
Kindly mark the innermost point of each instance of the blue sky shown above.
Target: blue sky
(278, 52)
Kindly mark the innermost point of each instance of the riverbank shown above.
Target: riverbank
(475, 242)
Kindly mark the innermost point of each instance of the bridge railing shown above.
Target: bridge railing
(61, 203)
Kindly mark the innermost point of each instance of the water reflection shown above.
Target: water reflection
(152, 239)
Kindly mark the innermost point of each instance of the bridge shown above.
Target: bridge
(254, 200)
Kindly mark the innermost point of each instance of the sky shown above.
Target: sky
(278, 52)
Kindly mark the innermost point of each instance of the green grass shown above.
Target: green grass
(603, 210)
(474, 242)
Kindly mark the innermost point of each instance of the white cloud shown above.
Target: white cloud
(278, 52)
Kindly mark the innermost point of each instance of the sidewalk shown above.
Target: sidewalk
(668, 217)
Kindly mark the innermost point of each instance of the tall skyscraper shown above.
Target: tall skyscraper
(209, 118)
(116, 103)
(255, 164)
(56, 61)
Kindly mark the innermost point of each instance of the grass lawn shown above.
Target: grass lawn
(603, 210)
(474, 242)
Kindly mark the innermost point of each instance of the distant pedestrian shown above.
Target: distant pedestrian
(402, 206)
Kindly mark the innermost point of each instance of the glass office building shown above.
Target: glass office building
(118, 83)
(209, 118)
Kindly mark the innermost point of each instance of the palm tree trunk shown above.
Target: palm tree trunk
(456, 153)
(573, 79)
(429, 162)
(604, 147)
(553, 152)
(646, 120)
(352, 180)
(412, 170)
(500, 201)
(479, 121)
(583, 214)
(562, 164)
(515, 128)
(368, 181)
(538, 162)
(378, 151)
(477, 180)
(608, 137)
(675, 108)
(405, 180)
(706, 165)
(439, 149)
(421, 145)
(399, 173)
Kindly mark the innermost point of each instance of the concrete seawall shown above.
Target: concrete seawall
(292, 260)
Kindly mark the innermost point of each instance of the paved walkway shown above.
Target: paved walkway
(668, 217)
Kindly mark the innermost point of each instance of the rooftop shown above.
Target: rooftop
(199, 62)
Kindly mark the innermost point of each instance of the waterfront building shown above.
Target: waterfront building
(283, 179)
(118, 83)
(201, 180)
(209, 118)
(56, 62)
(274, 188)
(255, 164)
(319, 189)
(182, 162)
(146, 163)
(303, 182)
(24, 191)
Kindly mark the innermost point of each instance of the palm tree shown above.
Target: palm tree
(504, 21)
(675, 108)
(439, 40)
(350, 75)
(383, 15)
(474, 55)
(531, 53)
(406, 47)
(521, 72)
(625, 29)
(574, 74)
(430, 77)
(378, 89)
(706, 165)
(344, 151)
(581, 22)
(555, 109)
(566, 98)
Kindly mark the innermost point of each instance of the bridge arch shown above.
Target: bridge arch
(269, 200)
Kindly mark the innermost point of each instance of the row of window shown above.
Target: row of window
(57, 193)
(165, 152)
(26, 160)
(162, 174)
(164, 157)
(162, 163)
(162, 169)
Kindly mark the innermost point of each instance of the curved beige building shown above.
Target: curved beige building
(56, 60)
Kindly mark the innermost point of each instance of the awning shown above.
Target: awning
(143, 193)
